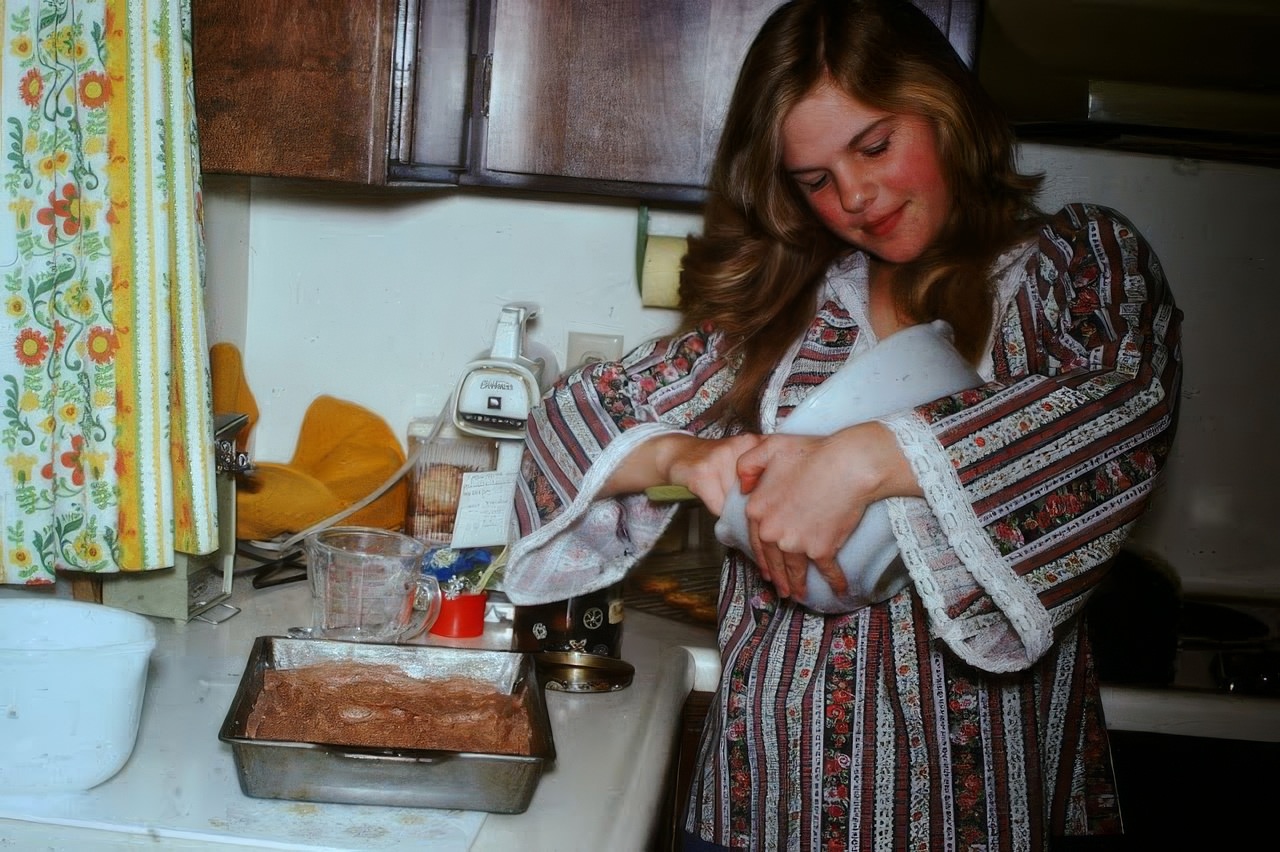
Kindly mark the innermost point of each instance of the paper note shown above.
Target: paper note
(484, 509)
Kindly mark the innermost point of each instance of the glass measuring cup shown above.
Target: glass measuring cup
(367, 585)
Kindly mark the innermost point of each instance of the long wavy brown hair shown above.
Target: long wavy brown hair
(755, 271)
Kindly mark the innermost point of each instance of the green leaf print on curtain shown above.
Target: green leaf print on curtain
(105, 424)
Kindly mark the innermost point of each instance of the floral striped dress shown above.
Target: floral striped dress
(963, 713)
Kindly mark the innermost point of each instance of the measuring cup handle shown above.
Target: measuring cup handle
(426, 606)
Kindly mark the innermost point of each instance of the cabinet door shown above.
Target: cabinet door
(625, 97)
(622, 98)
(629, 91)
(294, 88)
(432, 92)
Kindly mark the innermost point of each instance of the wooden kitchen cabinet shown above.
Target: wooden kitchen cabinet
(693, 716)
(291, 88)
(624, 96)
(622, 99)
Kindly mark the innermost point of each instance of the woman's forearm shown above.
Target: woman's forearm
(705, 466)
(647, 465)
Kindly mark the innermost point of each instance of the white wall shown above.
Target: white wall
(382, 299)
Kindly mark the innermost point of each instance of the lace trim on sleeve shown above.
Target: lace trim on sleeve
(592, 543)
(947, 552)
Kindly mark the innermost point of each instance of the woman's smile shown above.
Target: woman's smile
(883, 226)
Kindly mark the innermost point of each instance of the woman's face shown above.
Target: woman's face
(874, 178)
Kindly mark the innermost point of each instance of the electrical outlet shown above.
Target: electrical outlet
(585, 348)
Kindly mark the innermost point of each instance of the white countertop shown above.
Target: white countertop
(1192, 713)
(179, 789)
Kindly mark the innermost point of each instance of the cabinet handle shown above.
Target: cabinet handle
(486, 82)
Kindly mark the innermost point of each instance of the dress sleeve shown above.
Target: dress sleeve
(1033, 481)
(570, 542)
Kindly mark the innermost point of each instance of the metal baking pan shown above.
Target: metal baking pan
(414, 778)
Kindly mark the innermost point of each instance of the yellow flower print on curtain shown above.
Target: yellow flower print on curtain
(105, 424)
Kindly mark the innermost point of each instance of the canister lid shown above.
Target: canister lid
(574, 671)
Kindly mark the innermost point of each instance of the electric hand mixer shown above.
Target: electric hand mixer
(495, 394)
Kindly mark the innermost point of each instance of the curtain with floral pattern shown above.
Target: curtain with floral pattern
(106, 436)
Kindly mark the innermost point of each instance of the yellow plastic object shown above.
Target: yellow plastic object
(344, 453)
(231, 391)
(669, 494)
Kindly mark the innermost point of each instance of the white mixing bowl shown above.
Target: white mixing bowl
(72, 679)
(909, 368)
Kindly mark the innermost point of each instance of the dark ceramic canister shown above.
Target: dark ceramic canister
(590, 623)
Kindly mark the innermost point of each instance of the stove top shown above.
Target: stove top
(1229, 646)
(1147, 632)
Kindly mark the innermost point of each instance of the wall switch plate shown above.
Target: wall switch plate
(585, 348)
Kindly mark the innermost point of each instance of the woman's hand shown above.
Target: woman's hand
(709, 467)
(806, 495)
(706, 466)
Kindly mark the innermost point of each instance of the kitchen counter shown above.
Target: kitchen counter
(179, 789)
(1192, 713)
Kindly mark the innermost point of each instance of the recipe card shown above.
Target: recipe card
(484, 509)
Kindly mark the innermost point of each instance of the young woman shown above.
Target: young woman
(864, 183)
